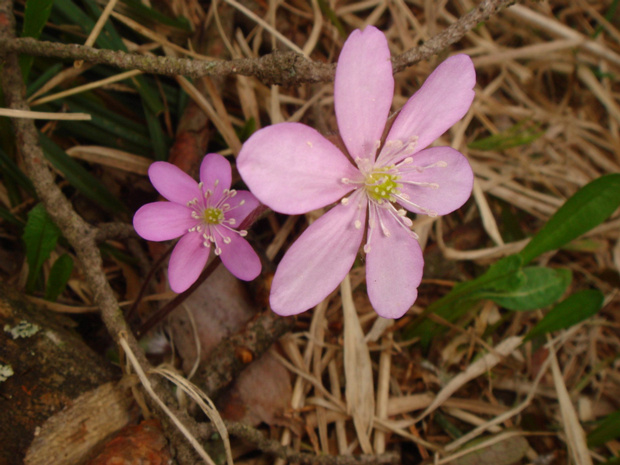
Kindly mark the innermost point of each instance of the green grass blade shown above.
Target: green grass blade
(79, 177)
(10, 170)
(36, 15)
(159, 141)
(43, 78)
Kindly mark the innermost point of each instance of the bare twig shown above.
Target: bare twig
(283, 68)
(451, 35)
(226, 362)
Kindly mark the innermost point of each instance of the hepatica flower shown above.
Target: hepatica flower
(293, 169)
(205, 215)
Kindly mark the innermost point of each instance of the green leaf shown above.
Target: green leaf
(541, 287)
(40, 237)
(79, 177)
(59, 277)
(513, 137)
(574, 309)
(36, 14)
(502, 275)
(587, 208)
(607, 430)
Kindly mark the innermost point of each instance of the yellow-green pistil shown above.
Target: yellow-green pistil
(213, 215)
(381, 185)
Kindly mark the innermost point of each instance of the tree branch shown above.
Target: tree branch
(282, 68)
(80, 234)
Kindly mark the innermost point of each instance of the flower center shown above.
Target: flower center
(212, 215)
(213, 221)
(381, 185)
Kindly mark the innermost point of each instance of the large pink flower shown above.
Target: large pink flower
(206, 214)
(293, 169)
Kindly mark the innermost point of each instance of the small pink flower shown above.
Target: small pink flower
(206, 214)
(293, 169)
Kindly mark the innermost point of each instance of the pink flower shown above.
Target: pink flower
(205, 214)
(293, 169)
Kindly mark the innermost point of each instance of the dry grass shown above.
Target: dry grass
(542, 71)
(539, 71)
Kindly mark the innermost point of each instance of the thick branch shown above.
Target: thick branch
(283, 68)
(227, 360)
(80, 234)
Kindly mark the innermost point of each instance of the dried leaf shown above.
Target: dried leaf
(359, 387)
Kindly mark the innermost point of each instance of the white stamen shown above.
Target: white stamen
(404, 198)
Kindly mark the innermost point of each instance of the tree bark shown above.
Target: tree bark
(45, 367)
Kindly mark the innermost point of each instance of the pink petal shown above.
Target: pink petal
(363, 91)
(215, 169)
(240, 258)
(455, 181)
(173, 183)
(394, 268)
(293, 169)
(162, 221)
(242, 204)
(318, 261)
(187, 261)
(444, 99)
